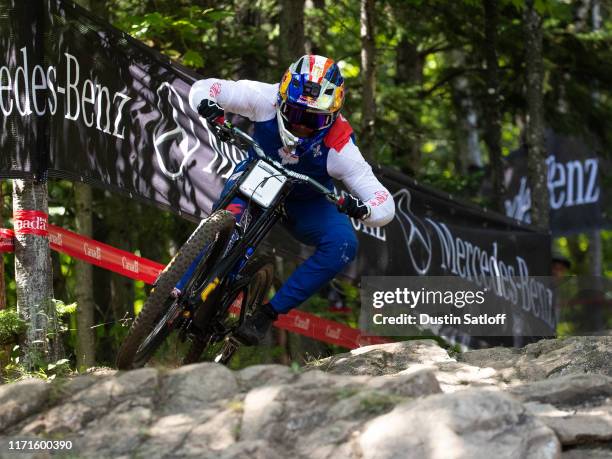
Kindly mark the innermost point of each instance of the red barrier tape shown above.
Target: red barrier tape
(103, 255)
(130, 265)
(7, 240)
(31, 222)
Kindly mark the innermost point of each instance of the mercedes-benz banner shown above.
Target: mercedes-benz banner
(81, 100)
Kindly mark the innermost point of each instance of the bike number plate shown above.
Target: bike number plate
(263, 183)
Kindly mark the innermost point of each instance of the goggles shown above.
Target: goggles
(294, 114)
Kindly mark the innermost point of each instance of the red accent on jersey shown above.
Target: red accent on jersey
(339, 134)
(380, 197)
(312, 63)
(215, 90)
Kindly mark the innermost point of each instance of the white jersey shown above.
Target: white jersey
(257, 102)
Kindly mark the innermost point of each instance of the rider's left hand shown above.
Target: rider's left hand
(353, 207)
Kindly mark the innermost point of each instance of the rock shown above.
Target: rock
(168, 433)
(259, 375)
(386, 401)
(196, 385)
(470, 423)
(548, 358)
(119, 432)
(217, 432)
(577, 407)
(381, 359)
(315, 378)
(98, 395)
(318, 413)
(407, 383)
(257, 449)
(309, 418)
(572, 390)
(588, 453)
(199, 433)
(453, 376)
(69, 387)
(138, 383)
(261, 410)
(21, 399)
(574, 427)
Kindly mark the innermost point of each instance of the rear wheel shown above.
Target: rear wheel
(157, 317)
(260, 272)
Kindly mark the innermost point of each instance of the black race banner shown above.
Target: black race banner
(83, 101)
(114, 112)
(576, 185)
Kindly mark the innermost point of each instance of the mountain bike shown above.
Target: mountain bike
(228, 282)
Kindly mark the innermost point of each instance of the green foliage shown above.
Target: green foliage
(66, 315)
(430, 73)
(175, 32)
(376, 403)
(11, 326)
(14, 371)
(64, 309)
(58, 369)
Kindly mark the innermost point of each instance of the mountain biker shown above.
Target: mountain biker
(298, 123)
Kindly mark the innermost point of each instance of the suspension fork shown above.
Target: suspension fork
(218, 277)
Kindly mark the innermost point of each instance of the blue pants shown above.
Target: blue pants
(315, 222)
(318, 223)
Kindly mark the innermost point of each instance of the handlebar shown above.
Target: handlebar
(232, 133)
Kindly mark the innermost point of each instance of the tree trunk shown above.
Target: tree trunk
(409, 71)
(408, 62)
(249, 17)
(466, 134)
(120, 236)
(85, 346)
(492, 112)
(34, 279)
(536, 165)
(597, 247)
(2, 285)
(368, 75)
(316, 36)
(291, 34)
(595, 254)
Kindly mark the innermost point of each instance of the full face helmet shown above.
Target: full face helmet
(310, 97)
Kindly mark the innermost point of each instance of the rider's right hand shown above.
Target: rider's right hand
(210, 110)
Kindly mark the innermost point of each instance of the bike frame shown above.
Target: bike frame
(220, 278)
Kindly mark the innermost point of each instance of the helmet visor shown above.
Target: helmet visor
(296, 115)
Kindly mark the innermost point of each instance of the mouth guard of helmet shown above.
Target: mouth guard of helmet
(290, 141)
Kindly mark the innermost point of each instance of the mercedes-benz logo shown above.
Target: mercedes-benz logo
(416, 236)
(169, 135)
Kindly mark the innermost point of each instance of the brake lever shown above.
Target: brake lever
(331, 197)
(222, 129)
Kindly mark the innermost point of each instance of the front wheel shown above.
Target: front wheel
(156, 319)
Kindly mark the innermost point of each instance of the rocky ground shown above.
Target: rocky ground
(552, 399)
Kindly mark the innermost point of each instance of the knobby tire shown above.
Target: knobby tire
(219, 224)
